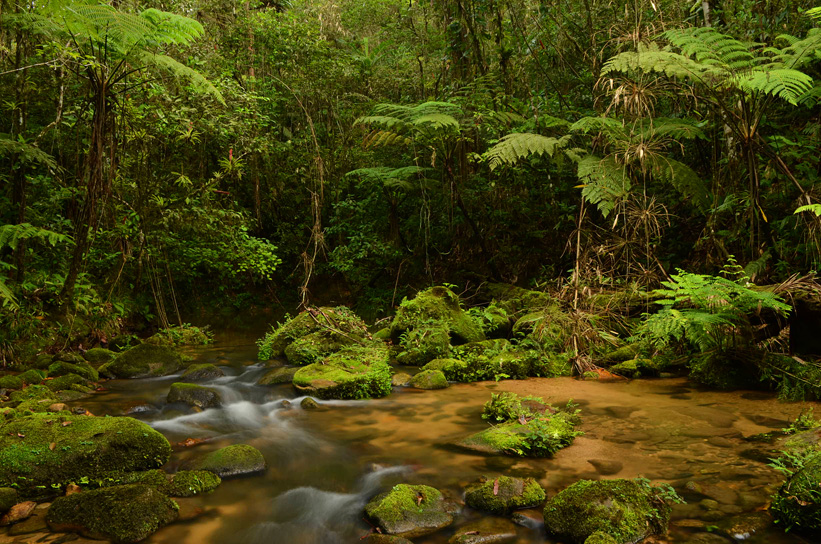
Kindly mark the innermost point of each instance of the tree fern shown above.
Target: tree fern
(683, 179)
(392, 178)
(10, 235)
(516, 146)
(25, 152)
(604, 182)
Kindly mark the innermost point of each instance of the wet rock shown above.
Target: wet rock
(627, 510)
(539, 437)
(484, 531)
(202, 372)
(81, 369)
(745, 526)
(33, 524)
(401, 379)
(706, 538)
(635, 368)
(356, 372)
(39, 450)
(187, 483)
(385, 539)
(429, 379)
(722, 494)
(142, 361)
(606, 467)
(18, 512)
(309, 404)
(122, 514)
(8, 498)
(235, 460)
(283, 374)
(532, 519)
(409, 511)
(98, 356)
(720, 442)
(195, 395)
(57, 407)
(453, 369)
(503, 494)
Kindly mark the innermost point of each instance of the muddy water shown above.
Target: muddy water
(324, 465)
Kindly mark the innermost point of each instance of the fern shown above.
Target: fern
(7, 297)
(814, 208)
(605, 182)
(25, 152)
(10, 235)
(683, 179)
(392, 178)
(517, 146)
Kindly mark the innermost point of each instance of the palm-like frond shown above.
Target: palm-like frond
(604, 182)
(517, 146)
(25, 152)
(393, 178)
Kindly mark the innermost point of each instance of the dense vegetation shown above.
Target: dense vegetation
(157, 158)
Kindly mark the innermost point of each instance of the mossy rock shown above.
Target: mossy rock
(494, 320)
(11, 382)
(123, 342)
(32, 376)
(68, 382)
(422, 323)
(549, 327)
(32, 392)
(513, 299)
(68, 357)
(43, 361)
(185, 335)
(310, 404)
(37, 406)
(409, 511)
(356, 372)
(383, 334)
(504, 494)
(202, 372)
(429, 379)
(8, 498)
(142, 361)
(187, 483)
(341, 319)
(797, 503)
(619, 355)
(491, 530)
(236, 460)
(81, 369)
(540, 437)
(455, 370)
(635, 368)
(194, 395)
(83, 446)
(98, 356)
(627, 510)
(401, 379)
(156, 478)
(122, 514)
(492, 360)
(313, 347)
(600, 537)
(283, 374)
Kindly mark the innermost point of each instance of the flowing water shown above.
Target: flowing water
(325, 464)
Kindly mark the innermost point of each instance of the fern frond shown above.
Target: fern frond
(10, 235)
(787, 84)
(393, 178)
(650, 59)
(520, 145)
(710, 47)
(436, 121)
(379, 138)
(683, 179)
(198, 82)
(586, 125)
(25, 152)
(7, 297)
(678, 129)
(604, 182)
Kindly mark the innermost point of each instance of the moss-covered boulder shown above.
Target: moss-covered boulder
(635, 368)
(236, 460)
(339, 322)
(98, 356)
(187, 483)
(282, 374)
(410, 511)
(68, 357)
(491, 360)
(600, 537)
(8, 498)
(539, 437)
(454, 370)
(11, 382)
(194, 395)
(181, 335)
(39, 450)
(356, 372)
(401, 379)
(81, 369)
(627, 510)
(32, 376)
(68, 381)
(313, 347)
(514, 300)
(504, 494)
(32, 392)
(425, 325)
(494, 320)
(376, 538)
(429, 379)
(202, 372)
(142, 361)
(121, 514)
(797, 503)
(123, 342)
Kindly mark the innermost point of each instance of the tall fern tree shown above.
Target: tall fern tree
(110, 50)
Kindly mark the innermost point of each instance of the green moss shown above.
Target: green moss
(429, 379)
(66, 382)
(278, 375)
(32, 376)
(356, 372)
(194, 395)
(123, 342)
(539, 437)
(494, 320)
(316, 345)
(515, 300)
(232, 461)
(43, 361)
(204, 371)
(383, 334)
(142, 361)
(11, 382)
(507, 406)
(98, 356)
(503, 494)
(635, 368)
(624, 353)
(182, 335)
(627, 510)
(187, 483)
(127, 513)
(69, 357)
(548, 327)
(453, 369)
(8, 498)
(600, 537)
(422, 344)
(83, 447)
(32, 392)
(340, 319)
(409, 510)
(797, 504)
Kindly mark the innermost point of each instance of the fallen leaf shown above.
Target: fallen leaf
(496, 487)
(20, 435)
(419, 499)
(65, 423)
(52, 446)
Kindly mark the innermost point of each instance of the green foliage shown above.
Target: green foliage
(510, 406)
(517, 146)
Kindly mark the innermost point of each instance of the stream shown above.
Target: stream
(325, 464)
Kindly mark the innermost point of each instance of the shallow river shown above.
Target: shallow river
(324, 465)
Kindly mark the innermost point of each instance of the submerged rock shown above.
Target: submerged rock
(235, 460)
(600, 537)
(485, 531)
(401, 379)
(356, 372)
(39, 450)
(283, 374)
(410, 510)
(122, 514)
(202, 372)
(187, 483)
(626, 510)
(195, 395)
(309, 404)
(429, 379)
(385, 539)
(504, 494)
(142, 361)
